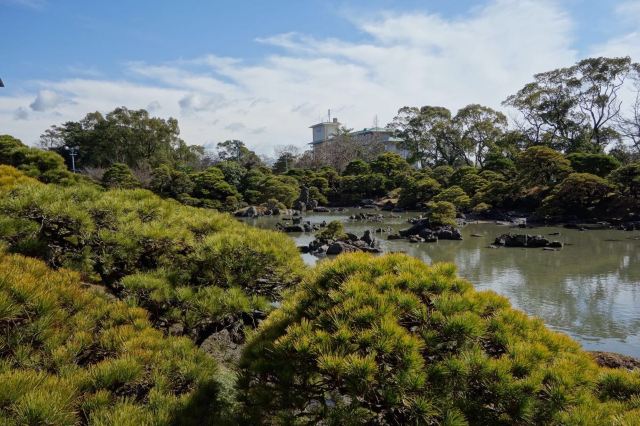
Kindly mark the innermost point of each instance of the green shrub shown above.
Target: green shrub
(441, 213)
(72, 356)
(45, 166)
(456, 196)
(192, 257)
(481, 208)
(390, 340)
(595, 164)
(456, 177)
(580, 194)
(333, 231)
(119, 176)
(442, 174)
(472, 183)
(421, 192)
(542, 166)
(627, 178)
(357, 167)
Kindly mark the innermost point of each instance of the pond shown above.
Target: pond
(590, 289)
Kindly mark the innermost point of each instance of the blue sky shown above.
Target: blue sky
(263, 71)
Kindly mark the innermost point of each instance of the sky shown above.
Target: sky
(264, 71)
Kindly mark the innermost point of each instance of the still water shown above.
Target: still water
(590, 289)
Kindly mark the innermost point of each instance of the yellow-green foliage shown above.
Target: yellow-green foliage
(69, 355)
(45, 166)
(455, 195)
(182, 263)
(390, 340)
(11, 177)
(441, 213)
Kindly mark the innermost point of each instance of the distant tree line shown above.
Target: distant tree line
(573, 122)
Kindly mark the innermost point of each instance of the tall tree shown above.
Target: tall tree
(425, 133)
(126, 136)
(479, 128)
(573, 108)
(235, 150)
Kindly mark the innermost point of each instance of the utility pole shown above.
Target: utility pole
(72, 153)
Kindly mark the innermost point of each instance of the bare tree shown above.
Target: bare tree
(344, 147)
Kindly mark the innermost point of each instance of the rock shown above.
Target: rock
(251, 211)
(614, 360)
(525, 240)
(341, 247)
(322, 210)
(300, 206)
(367, 238)
(394, 237)
(304, 249)
(370, 206)
(293, 228)
(222, 347)
(416, 239)
(176, 329)
(477, 235)
(312, 204)
(351, 236)
(448, 233)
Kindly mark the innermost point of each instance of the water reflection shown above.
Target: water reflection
(590, 289)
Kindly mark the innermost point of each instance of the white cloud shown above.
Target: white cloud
(46, 100)
(406, 59)
(21, 114)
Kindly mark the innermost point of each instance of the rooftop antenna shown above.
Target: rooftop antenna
(375, 121)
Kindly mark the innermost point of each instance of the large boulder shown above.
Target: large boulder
(339, 247)
(525, 240)
(251, 211)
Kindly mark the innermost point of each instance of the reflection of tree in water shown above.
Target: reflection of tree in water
(588, 288)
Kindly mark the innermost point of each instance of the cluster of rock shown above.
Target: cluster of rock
(525, 240)
(423, 231)
(305, 202)
(299, 225)
(257, 211)
(367, 217)
(350, 243)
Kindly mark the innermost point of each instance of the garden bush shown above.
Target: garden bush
(391, 340)
(187, 265)
(45, 166)
(71, 355)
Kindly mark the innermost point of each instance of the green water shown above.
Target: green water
(590, 289)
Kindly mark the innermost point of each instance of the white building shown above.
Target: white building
(325, 131)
